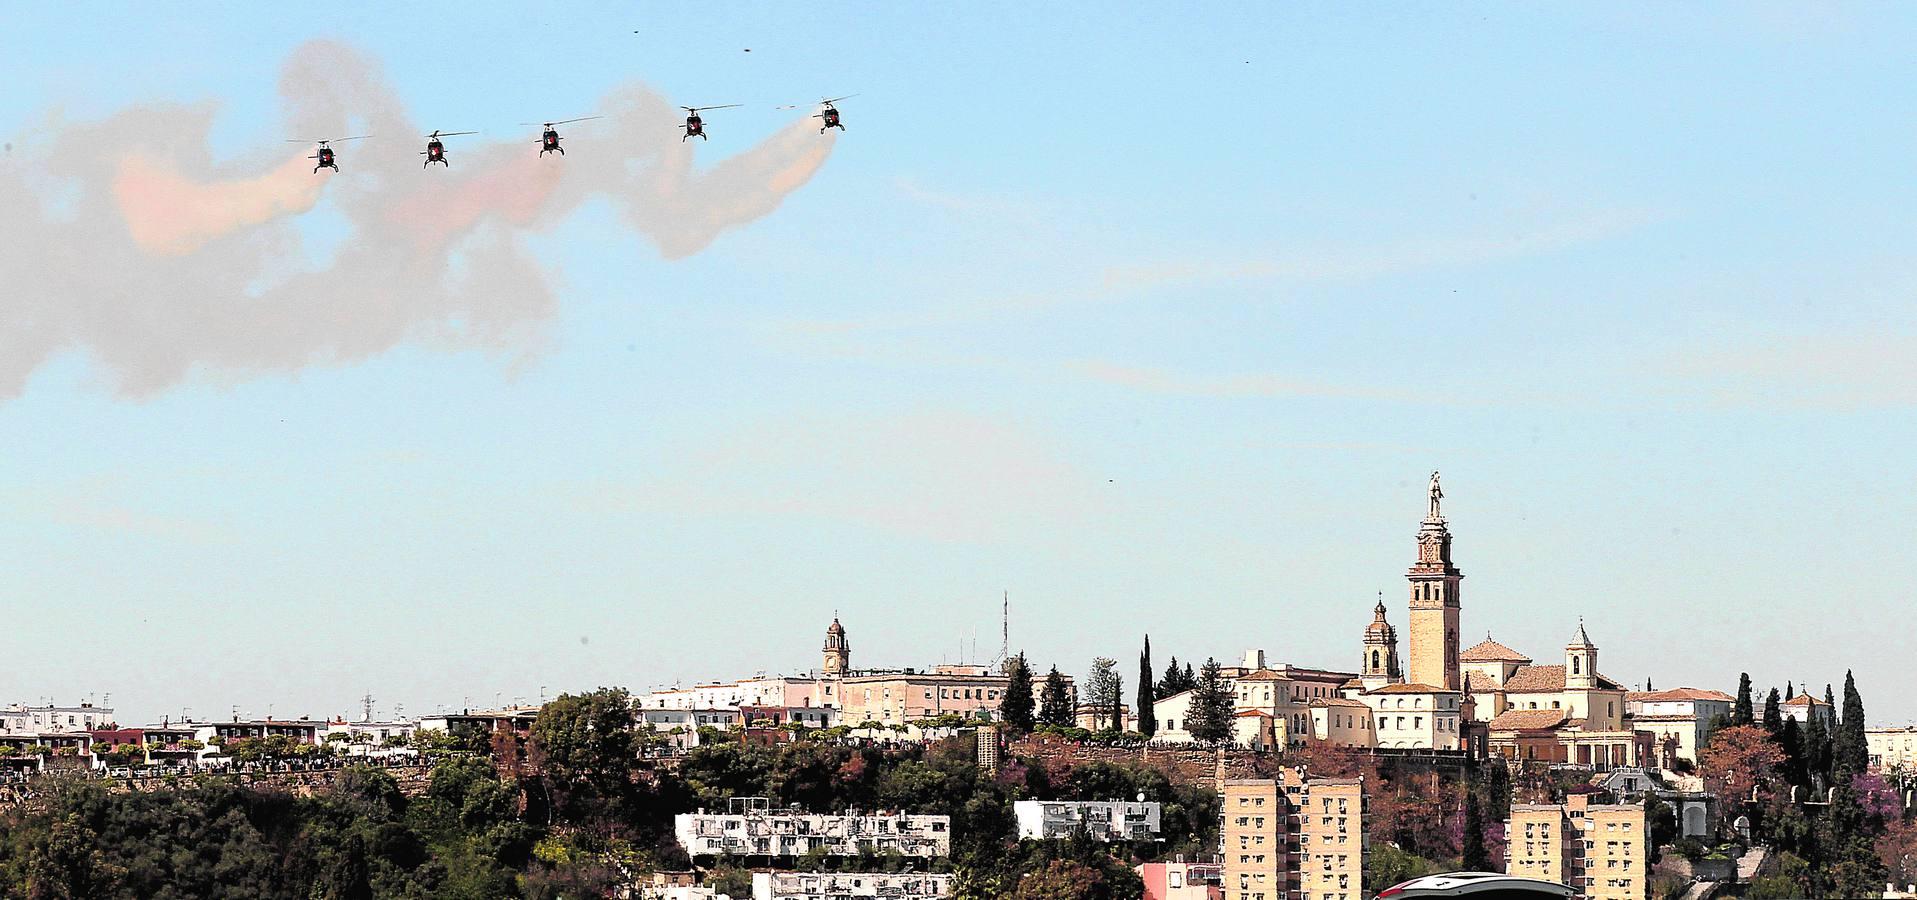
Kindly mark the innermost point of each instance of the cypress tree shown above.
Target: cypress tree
(1169, 683)
(1147, 717)
(1476, 857)
(1742, 714)
(1773, 714)
(1850, 751)
(1015, 708)
(1118, 704)
(1055, 704)
(1816, 750)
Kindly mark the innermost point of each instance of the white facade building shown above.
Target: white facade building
(1892, 748)
(53, 719)
(1100, 820)
(849, 885)
(751, 828)
(1680, 717)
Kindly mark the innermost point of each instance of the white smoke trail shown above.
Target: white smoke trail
(123, 239)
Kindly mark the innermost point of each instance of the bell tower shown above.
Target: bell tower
(1380, 664)
(838, 653)
(1580, 662)
(1434, 600)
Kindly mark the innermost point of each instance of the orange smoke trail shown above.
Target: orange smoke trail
(168, 214)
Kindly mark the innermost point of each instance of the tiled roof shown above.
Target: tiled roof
(1338, 701)
(1476, 682)
(1678, 694)
(1527, 719)
(1252, 712)
(1263, 675)
(1535, 678)
(1489, 650)
(1802, 700)
(1412, 688)
(1546, 680)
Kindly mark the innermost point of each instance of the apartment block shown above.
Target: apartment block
(1294, 838)
(752, 828)
(1100, 820)
(1597, 849)
(849, 885)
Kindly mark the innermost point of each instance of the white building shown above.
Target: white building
(849, 885)
(752, 828)
(1892, 748)
(1101, 820)
(52, 719)
(1803, 706)
(374, 734)
(1679, 717)
(1416, 716)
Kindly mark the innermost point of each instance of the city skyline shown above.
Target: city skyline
(1155, 327)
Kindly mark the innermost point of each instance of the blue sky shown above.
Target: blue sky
(1157, 319)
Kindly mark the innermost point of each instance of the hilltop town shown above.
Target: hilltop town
(1247, 779)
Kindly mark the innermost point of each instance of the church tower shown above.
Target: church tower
(1434, 601)
(838, 653)
(1380, 665)
(1580, 662)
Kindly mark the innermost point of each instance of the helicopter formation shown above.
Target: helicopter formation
(325, 157)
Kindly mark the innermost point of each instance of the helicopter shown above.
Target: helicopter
(830, 113)
(435, 151)
(549, 136)
(696, 126)
(325, 154)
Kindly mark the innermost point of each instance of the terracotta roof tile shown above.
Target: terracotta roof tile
(1338, 701)
(1489, 650)
(1683, 693)
(1412, 688)
(1529, 679)
(1803, 700)
(1527, 719)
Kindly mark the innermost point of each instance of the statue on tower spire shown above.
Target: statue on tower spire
(1436, 494)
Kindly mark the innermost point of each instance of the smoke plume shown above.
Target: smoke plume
(126, 240)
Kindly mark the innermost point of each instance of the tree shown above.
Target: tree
(1175, 681)
(1660, 824)
(1476, 857)
(1741, 759)
(1741, 713)
(1814, 750)
(1064, 879)
(1104, 690)
(1773, 713)
(1016, 707)
(1055, 704)
(1208, 717)
(1147, 717)
(1850, 752)
(585, 749)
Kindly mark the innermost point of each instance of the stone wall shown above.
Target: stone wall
(1194, 766)
(412, 782)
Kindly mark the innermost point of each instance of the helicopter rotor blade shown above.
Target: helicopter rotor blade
(700, 109)
(356, 138)
(837, 99)
(569, 121)
(450, 133)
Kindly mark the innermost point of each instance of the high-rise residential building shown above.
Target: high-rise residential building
(1597, 849)
(1293, 838)
(1254, 838)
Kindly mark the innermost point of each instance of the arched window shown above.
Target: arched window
(1574, 665)
(1374, 659)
